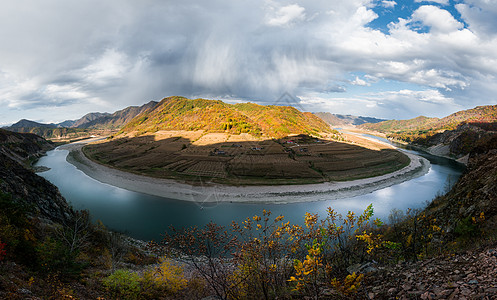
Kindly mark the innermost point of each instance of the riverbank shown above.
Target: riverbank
(212, 193)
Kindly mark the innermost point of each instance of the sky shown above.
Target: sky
(392, 59)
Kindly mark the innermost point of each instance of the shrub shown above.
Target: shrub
(123, 284)
(166, 278)
(54, 256)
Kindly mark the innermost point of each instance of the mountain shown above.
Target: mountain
(21, 184)
(85, 119)
(453, 136)
(344, 120)
(22, 147)
(83, 127)
(52, 132)
(416, 124)
(179, 113)
(481, 114)
(473, 194)
(113, 121)
(358, 120)
(31, 124)
(331, 119)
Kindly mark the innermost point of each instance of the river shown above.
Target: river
(146, 217)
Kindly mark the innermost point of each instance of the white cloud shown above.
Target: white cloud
(90, 55)
(481, 15)
(388, 4)
(359, 81)
(428, 96)
(286, 15)
(444, 2)
(440, 20)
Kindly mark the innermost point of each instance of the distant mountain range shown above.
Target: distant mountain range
(179, 113)
(479, 114)
(454, 136)
(83, 126)
(336, 120)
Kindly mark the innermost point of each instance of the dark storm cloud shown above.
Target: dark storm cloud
(99, 56)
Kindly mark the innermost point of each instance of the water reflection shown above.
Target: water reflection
(147, 217)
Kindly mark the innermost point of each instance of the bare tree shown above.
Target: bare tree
(75, 233)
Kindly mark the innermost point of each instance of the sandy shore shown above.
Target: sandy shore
(212, 193)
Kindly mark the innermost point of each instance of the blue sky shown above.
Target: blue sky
(61, 59)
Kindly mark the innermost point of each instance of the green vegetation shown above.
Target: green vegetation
(123, 284)
(55, 133)
(178, 113)
(262, 257)
(419, 129)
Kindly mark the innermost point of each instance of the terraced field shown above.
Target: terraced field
(191, 156)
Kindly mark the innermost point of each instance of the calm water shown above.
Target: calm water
(147, 217)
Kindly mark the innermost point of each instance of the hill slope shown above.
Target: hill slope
(83, 127)
(25, 187)
(112, 121)
(22, 147)
(85, 119)
(453, 136)
(342, 120)
(31, 124)
(481, 114)
(178, 113)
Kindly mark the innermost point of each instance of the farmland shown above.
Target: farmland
(242, 159)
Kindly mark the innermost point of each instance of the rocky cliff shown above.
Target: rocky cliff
(457, 143)
(23, 147)
(475, 193)
(22, 184)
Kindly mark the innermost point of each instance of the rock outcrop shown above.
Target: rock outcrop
(22, 184)
(23, 147)
(457, 143)
(475, 192)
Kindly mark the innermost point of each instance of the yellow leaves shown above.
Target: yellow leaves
(273, 267)
(378, 222)
(409, 240)
(310, 220)
(373, 241)
(256, 218)
(166, 276)
(307, 271)
(29, 236)
(482, 216)
(349, 285)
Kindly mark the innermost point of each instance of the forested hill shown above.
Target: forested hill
(479, 114)
(92, 123)
(345, 120)
(454, 136)
(179, 113)
(22, 147)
